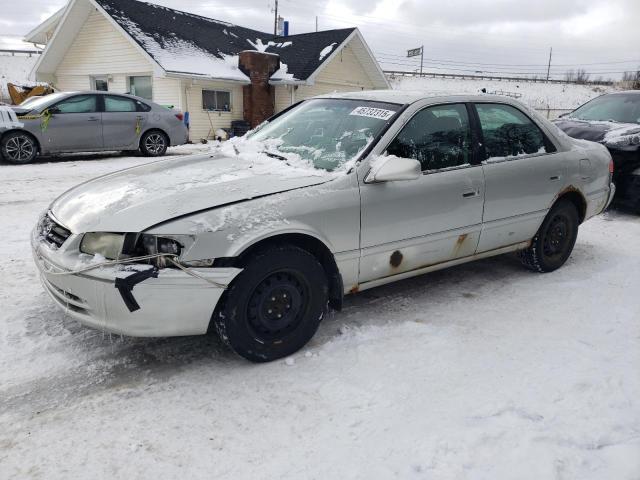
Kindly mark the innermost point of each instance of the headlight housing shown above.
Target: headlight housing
(117, 246)
(108, 245)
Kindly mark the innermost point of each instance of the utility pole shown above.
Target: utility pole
(316, 23)
(549, 67)
(275, 22)
(421, 59)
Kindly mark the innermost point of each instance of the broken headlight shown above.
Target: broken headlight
(116, 246)
(108, 245)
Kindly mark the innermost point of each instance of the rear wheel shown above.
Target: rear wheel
(274, 307)
(154, 144)
(19, 148)
(554, 242)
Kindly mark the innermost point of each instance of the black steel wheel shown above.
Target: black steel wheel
(19, 148)
(554, 242)
(154, 144)
(274, 307)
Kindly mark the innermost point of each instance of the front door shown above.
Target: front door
(407, 225)
(75, 125)
(523, 172)
(122, 122)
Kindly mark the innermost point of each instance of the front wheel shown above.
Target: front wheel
(154, 144)
(19, 148)
(274, 307)
(554, 242)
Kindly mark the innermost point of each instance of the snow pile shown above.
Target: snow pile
(15, 69)
(483, 371)
(537, 95)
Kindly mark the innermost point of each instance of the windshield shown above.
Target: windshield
(619, 107)
(327, 133)
(36, 103)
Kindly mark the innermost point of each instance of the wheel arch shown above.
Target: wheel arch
(22, 130)
(307, 242)
(154, 129)
(577, 199)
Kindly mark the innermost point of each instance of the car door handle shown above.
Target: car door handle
(553, 178)
(93, 119)
(471, 194)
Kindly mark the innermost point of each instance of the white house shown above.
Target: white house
(192, 62)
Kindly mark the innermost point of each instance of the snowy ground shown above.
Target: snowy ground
(551, 99)
(484, 371)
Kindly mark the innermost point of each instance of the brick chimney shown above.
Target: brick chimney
(259, 97)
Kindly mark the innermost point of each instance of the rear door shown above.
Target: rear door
(523, 174)
(123, 120)
(75, 125)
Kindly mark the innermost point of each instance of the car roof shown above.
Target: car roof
(102, 92)
(406, 97)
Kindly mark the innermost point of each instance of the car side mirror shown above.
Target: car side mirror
(53, 110)
(392, 169)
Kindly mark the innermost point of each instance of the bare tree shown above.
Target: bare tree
(582, 76)
(631, 80)
(570, 76)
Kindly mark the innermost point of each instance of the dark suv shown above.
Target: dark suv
(613, 120)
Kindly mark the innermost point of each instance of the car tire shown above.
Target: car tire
(554, 242)
(274, 307)
(154, 144)
(19, 148)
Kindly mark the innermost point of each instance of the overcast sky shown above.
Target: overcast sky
(459, 35)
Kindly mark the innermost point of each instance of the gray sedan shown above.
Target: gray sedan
(337, 195)
(88, 122)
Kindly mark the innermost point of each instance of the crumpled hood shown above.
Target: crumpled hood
(595, 131)
(135, 199)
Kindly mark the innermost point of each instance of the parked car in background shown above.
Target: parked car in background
(90, 122)
(614, 121)
(339, 194)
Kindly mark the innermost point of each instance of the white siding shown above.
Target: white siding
(166, 91)
(101, 49)
(344, 73)
(201, 120)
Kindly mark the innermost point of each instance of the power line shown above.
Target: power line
(511, 64)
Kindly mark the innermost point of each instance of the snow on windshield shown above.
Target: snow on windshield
(326, 134)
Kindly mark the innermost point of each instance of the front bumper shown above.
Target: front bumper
(173, 304)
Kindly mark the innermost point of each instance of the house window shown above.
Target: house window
(100, 83)
(216, 101)
(141, 87)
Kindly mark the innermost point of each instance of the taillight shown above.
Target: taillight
(180, 116)
(611, 167)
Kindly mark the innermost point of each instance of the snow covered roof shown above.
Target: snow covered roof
(185, 43)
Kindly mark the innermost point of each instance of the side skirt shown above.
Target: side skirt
(440, 266)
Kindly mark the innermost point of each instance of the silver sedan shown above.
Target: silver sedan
(339, 194)
(88, 122)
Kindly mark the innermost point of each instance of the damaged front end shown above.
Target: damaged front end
(128, 283)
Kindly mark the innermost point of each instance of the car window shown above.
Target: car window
(617, 107)
(119, 104)
(438, 137)
(510, 133)
(78, 104)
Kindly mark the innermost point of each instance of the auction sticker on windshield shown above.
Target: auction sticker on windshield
(371, 112)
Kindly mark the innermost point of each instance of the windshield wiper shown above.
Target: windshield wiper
(275, 155)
